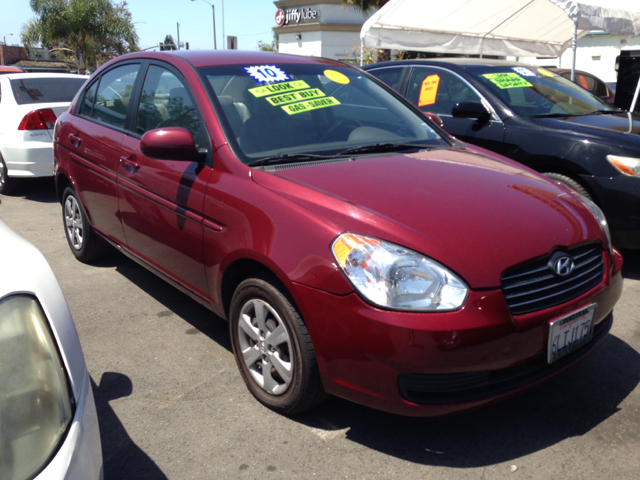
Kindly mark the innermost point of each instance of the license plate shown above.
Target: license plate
(570, 332)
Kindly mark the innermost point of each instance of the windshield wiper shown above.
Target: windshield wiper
(600, 112)
(386, 147)
(289, 158)
(551, 115)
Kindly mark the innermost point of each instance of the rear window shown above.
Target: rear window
(45, 90)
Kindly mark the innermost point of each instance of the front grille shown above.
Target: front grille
(468, 386)
(535, 286)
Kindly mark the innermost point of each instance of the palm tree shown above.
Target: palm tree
(81, 27)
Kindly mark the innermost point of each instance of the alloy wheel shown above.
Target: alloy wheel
(73, 222)
(266, 346)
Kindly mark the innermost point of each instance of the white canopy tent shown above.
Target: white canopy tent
(496, 27)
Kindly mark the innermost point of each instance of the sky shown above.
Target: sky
(249, 20)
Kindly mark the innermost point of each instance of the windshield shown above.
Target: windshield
(322, 110)
(46, 90)
(537, 92)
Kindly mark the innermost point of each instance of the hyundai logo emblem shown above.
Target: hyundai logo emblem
(563, 266)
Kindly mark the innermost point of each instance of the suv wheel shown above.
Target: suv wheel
(569, 183)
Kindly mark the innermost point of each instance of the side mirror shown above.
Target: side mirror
(171, 143)
(470, 110)
(435, 118)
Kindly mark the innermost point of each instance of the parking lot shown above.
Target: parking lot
(171, 403)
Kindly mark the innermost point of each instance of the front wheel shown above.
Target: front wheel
(82, 240)
(273, 348)
(569, 183)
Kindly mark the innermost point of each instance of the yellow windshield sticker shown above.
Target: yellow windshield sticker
(310, 105)
(336, 77)
(429, 90)
(265, 90)
(507, 80)
(277, 100)
(544, 72)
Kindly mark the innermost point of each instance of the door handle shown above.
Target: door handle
(130, 163)
(75, 140)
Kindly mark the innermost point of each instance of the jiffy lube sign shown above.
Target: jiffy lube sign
(296, 15)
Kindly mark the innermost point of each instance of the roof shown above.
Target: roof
(206, 58)
(459, 61)
(12, 76)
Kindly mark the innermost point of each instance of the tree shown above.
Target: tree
(89, 30)
(270, 47)
(169, 43)
(368, 7)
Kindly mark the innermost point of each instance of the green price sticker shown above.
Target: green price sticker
(277, 100)
(507, 80)
(273, 88)
(310, 105)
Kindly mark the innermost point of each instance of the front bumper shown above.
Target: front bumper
(29, 159)
(367, 355)
(619, 198)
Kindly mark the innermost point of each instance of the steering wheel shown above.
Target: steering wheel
(347, 124)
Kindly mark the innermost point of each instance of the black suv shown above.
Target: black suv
(538, 118)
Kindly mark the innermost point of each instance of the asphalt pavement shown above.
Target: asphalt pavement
(171, 402)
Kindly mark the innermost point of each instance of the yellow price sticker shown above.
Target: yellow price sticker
(265, 90)
(507, 80)
(336, 77)
(277, 100)
(295, 108)
(544, 72)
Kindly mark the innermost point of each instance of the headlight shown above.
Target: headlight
(599, 216)
(395, 277)
(35, 404)
(626, 165)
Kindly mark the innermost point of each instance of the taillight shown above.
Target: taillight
(43, 119)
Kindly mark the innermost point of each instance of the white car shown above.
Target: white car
(30, 103)
(48, 421)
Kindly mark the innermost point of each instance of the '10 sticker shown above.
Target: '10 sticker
(310, 105)
(266, 73)
(265, 90)
(295, 96)
(507, 80)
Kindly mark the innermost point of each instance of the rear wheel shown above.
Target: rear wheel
(83, 241)
(273, 348)
(8, 185)
(569, 183)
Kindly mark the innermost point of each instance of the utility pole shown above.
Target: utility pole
(178, 24)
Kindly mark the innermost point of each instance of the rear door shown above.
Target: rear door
(93, 140)
(161, 201)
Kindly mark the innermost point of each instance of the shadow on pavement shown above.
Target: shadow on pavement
(173, 299)
(42, 190)
(122, 458)
(571, 404)
(631, 265)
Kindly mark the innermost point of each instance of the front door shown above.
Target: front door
(437, 90)
(161, 201)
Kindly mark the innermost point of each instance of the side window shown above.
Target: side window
(113, 95)
(437, 91)
(89, 99)
(165, 102)
(390, 76)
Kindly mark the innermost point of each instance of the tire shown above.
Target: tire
(267, 329)
(569, 183)
(85, 244)
(8, 185)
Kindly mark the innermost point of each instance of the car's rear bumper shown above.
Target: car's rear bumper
(29, 159)
(619, 198)
(388, 360)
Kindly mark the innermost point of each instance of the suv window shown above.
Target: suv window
(437, 91)
(165, 102)
(113, 95)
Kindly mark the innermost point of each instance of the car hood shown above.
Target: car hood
(476, 214)
(611, 124)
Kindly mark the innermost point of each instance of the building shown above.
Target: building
(40, 61)
(320, 28)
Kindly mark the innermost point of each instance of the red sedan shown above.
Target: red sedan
(355, 248)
